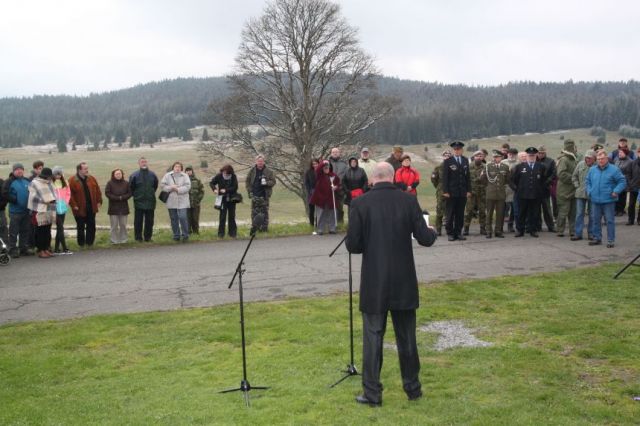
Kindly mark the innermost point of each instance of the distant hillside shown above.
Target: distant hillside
(430, 112)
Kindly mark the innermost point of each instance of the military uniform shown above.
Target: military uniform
(566, 192)
(477, 201)
(196, 194)
(496, 177)
(456, 184)
(529, 182)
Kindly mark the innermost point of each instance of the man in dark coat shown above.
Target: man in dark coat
(528, 182)
(381, 223)
(546, 202)
(144, 184)
(456, 188)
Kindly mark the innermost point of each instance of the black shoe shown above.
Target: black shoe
(595, 243)
(361, 399)
(575, 238)
(415, 396)
(552, 229)
(488, 236)
(499, 236)
(451, 238)
(139, 240)
(629, 223)
(534, 234)
(520, 234)
(560, 235)
(461, 238)
(26, 252)
(610, 245)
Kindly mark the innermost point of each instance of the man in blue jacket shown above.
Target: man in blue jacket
(604, 183)
(16, 191)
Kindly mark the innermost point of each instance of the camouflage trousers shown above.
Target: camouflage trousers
(476, 203)
(440, 210)
(260, 205)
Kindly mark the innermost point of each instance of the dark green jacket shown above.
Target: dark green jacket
(565, 166)
(144, 184)
(496, 177)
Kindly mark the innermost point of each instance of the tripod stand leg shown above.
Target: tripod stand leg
(627, 266)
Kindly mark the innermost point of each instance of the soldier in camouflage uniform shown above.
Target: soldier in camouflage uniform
(496, 175)
(259, 185)
(436, 180)
(478, 194)
(566, 192)
(196, 194)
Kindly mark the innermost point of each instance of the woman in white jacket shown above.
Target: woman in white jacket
(177, 184)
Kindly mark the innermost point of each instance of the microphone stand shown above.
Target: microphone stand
(245, 387)
(351, 368)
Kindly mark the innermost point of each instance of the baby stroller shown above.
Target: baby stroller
(4, 254)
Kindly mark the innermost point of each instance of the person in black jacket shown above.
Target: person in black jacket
(529, 182)
(355, 181)
(225, 184)
(4, 230)
(456, 188)
(547, 202)
(381, 223)
(309, 185)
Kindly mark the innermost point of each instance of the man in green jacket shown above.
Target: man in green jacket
(436, 180)
(144, 184)
(565, 191)
(259, 184)
(196, 194)
(478, 194)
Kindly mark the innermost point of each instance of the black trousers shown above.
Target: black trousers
(143, 217)
(374, 327)
(42, 236)
(633, 198)
(547, 213)
(621, 203)
(455, 215)
(228, 211)
(60, 241)
(86, 229)
(528, 215)
(312, 214)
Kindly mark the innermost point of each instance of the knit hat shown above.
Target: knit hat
(46, 173)
(570, 145)
(58, 171)
(17, 166)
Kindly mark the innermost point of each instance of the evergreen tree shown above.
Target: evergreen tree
(186, 135)
(62, 146)
(205, 136)
(120, 136)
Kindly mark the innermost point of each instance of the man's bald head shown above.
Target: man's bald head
(382, 172)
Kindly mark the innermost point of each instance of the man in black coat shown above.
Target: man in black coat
(456, 188)
(528, 181)
(381, 223)
(547, 202)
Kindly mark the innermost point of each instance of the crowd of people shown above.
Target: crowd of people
(529, 187)
(521, 189)
(37, 202)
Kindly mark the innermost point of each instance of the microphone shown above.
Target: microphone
(258, 221)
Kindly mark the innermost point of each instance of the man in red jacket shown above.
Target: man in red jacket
(86, 200)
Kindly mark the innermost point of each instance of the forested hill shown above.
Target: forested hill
(429, 112)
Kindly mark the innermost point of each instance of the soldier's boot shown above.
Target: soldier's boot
(483, 230)
(439, 230)
(466, 230)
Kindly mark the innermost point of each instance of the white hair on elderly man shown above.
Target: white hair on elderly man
(382, 172)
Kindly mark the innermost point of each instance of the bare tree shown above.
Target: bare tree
(302, 86)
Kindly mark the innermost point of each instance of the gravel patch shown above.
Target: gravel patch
(453, 334)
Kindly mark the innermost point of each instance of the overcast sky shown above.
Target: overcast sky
(84, 46)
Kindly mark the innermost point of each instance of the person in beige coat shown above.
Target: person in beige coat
(177, 184)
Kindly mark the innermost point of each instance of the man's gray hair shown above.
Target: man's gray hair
(383, 172)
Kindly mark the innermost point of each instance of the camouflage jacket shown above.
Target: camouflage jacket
(196, 193)
(477, 185)
(436, 178)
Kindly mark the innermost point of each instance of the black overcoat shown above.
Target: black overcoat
(381, 223)
(529, 183)
(456, 179)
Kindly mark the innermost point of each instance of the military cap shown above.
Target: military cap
(531, 150)
(542, 148)
(590, 153)
(456, 144)
(513, 151)
(478, 152)
(497, 153)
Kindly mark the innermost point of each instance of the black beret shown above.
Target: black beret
(531, 150)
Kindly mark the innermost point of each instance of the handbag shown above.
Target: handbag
(164, 196)
(355, 193)
(235, 198)
(218, 204)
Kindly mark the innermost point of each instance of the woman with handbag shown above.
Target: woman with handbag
(355, 181)
(225, 184)
(177, 184)
(63, 195)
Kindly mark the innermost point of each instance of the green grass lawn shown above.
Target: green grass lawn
(566, 351)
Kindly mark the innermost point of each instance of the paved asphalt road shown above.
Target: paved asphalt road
(190, 275)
